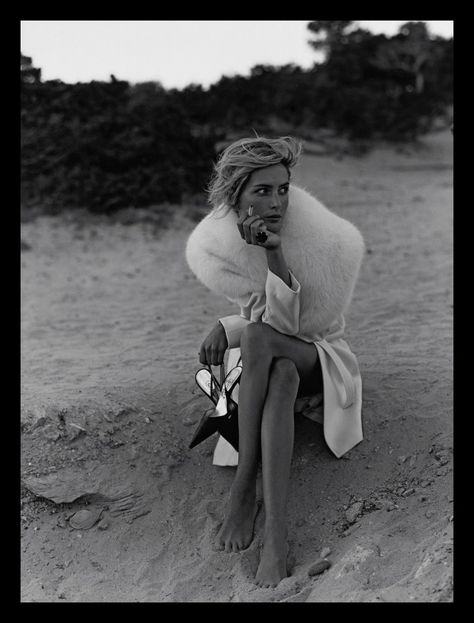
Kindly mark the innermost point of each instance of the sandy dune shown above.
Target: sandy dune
(112, 320)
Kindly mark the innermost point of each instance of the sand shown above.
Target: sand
(112, 320)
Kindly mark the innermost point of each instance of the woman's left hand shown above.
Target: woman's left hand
(250, 226)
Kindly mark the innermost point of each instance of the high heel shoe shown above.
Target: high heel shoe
(223, 417)
(207, 382)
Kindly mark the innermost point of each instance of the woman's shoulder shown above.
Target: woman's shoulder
(314, 212)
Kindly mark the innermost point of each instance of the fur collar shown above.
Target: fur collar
(323, 251)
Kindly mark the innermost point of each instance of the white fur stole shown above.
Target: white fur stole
(323, 251)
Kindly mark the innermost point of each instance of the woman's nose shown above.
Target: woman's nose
(275, 201)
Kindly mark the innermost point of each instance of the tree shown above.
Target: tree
(330, 34)
(408, 52)
(374, 85)
(29, 73)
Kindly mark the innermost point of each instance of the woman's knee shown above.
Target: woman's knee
(255, 342)
(284, 372)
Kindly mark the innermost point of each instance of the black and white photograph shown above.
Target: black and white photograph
(236, 251)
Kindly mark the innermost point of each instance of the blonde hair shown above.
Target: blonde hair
(236, 163)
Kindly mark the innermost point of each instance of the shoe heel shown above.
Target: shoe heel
(232, 378)
(207, 427)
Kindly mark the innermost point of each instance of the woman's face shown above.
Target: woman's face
(267, 190)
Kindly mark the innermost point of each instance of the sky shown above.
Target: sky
(175, 53)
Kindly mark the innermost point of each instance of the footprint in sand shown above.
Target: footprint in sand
(163, 327)
(175, 365)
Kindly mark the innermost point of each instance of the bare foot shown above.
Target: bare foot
(237, 530)
(273, 560)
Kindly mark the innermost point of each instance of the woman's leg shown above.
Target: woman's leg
(259, 344)
(277, 436)
(237, 530)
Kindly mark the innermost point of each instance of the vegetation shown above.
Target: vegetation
(111, 145)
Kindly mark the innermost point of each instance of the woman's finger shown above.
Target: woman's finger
(251, 226)
(210, 356)
(247, 226)
(207, 356)
(244, 215)
(255, 228)
(216, 357)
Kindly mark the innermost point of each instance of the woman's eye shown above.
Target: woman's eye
(263, 191)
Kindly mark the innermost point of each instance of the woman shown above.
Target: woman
(293, 286)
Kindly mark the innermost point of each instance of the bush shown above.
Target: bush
(92, 145)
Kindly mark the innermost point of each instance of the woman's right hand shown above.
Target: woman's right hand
(250, 224)
(214, 346)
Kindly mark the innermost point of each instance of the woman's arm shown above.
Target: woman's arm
(280, 303)
(233, 327)
(282, 309)
(277, 264)
(278, 306)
